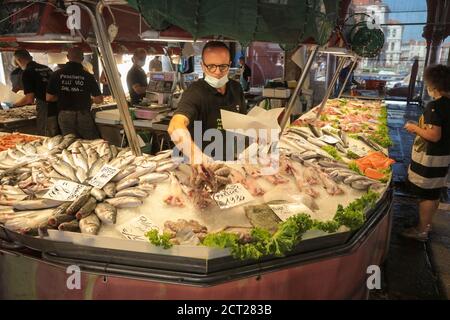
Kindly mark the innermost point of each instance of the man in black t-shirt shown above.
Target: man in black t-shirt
(74, 89)
(200, 108)
(35, 77)
(136, 77)
(245, 75)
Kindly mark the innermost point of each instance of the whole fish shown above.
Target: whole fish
(67, 157)
(90, 224)
(127, 183)
(167, 167)
(75, 145)
(316, 131)
(369, 143)
(140, 172)
(92, 156)
(36, 204)
(124, 202)
(79, 159)
(330, 186)
(317, 142)
(361, 184)
(114, 150)
(122, 162)
(110, 189)
(87, 208)
(147, 187)
(124, 173)
(65, 170)
(344, 137)
(98, 194)
(162, 155)
(15, 154)
(29, 149)
(154, 177)
(54, 141)
(72, 226)
(96, 167)
(132, 192)
(57, 219)
(106, 212)
(353, 178)
(78, 202)
(81, 175)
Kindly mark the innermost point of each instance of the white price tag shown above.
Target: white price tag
(103, 176)
(286, 210)
(329, 139)
(233, 195)
(136, 228)
(64, 190)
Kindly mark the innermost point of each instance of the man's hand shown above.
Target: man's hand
(411, 127)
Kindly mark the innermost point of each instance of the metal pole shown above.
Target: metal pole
(331, 86)
(347, 77)
(294, 96)
(113, 76)
(115, 84)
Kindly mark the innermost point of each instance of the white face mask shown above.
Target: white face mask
(140, 63)
(216, 83)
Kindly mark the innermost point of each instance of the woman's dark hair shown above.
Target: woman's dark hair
(215, 44)
(438, 77)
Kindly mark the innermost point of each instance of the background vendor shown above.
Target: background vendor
(202, 103)
(72, 87)
(35, 77)
(136, 77)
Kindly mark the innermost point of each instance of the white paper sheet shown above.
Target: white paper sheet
(256, 119)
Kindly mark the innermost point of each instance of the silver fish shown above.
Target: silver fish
(166, 154)
(317, 142)
(67, 157)
(36, 204)
(154, 177)
(90, 224)
(15, 154)
(75, 145)
(361, 184)
(121, 162)
(54, 141)
(124, 202)
(96, 167)
(114, 150)
(148, 187)
(87, 208)
(167, 167)
(65, 170)
(92, 156)
(127, 183)
(344, 138)
(29, 149)
(132, 192)
(110, 189)
(106, 212)
(316, 131)
(81, 174)
(124, 173)
(79, 159)
(98, 194)
(354, 178)
(140, 172)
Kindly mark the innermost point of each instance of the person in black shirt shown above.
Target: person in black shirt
(136, 77)
(246, 73)
(430, 156)
(16, 79)
(200, 105)
(34, 79)
(72, 87)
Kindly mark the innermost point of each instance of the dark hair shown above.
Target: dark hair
(242, 58)
(438, 77)
(22, 54)
(214, 45)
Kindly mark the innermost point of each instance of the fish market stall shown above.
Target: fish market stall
(152, 222)
(22, 119)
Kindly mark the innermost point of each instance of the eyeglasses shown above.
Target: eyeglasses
(213, 67)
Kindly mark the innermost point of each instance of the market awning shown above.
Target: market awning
(281, 21)
(42, 27)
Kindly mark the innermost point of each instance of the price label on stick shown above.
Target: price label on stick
(233, 195)
(286, 210)
(137, 228)
(64, 190)
(103, 176)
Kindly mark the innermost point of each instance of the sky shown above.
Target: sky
(409, 32)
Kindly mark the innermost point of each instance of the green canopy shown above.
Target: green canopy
(287, 22)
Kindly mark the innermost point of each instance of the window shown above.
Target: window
(394, 32)
(392, 46)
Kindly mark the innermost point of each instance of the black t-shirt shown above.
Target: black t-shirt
(35, 78)
(247, 72)
(136, 75)
(74, 87)
(201, 102)
(437, 113)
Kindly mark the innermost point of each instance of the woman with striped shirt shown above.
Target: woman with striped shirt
(430, 157)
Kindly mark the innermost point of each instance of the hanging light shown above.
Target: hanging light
(50, 38)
